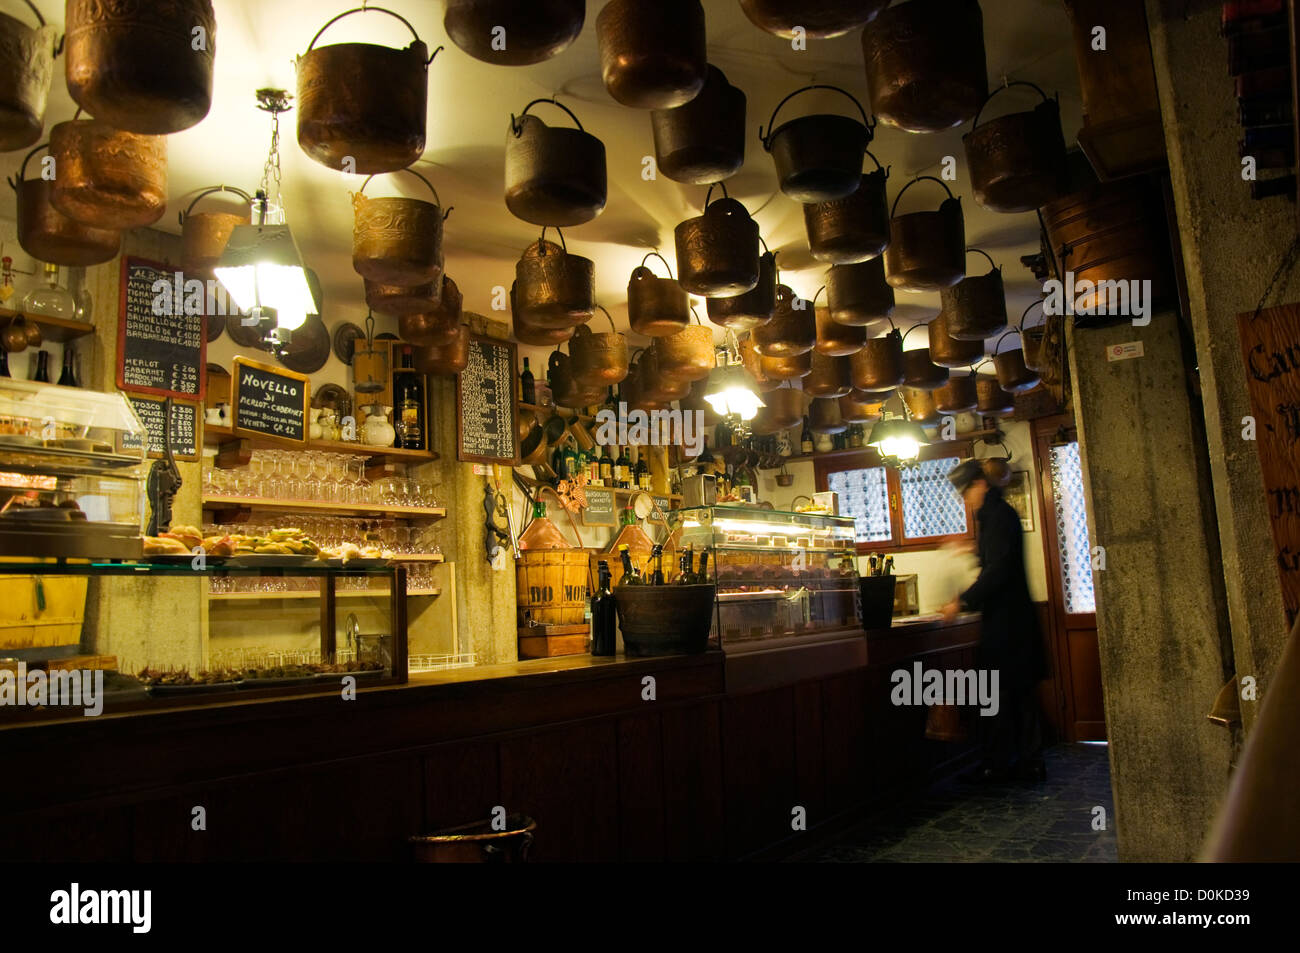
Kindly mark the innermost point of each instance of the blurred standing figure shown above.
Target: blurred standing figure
(1010, 641)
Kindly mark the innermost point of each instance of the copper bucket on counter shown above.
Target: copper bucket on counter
(717, 252)
(363, 102)
(554, 176)
(1013, 375)
(830, 377)
(744, 312)
(397, 300)
(598, 360)
(819, 19)
(927, 250)
(919, 371)
(398, 241)
(879, 365)
(818, 158)
(858, 294)
(656, 307)
(687, 355)
(946, 350)
(554, 289)
(1017, 161)
(702, 141)
(26, 68)
(793, 328)
(976, 306)
(534, 30)
(652, 55)
(48, 235)
(108, 178)
(925, 64)
(204, 235)
(854, 228)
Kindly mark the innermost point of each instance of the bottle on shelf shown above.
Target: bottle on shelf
(855, 436)
(527, 385)
(806, 439)
(408, 396)
(53, 299)
(702, 577)
(572, 463)
(657, 555)
(68, 378)
(641, 473)
(42, 366)
(606, 466)
(590, 467)
(631, 575)
(603, 615)
(686, 573)
(623, 470)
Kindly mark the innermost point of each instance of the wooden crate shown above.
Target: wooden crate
(549, 641)
(25, 626)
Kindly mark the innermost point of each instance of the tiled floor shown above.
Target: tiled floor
(964, 823)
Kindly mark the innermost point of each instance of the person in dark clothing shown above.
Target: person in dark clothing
(1010, 640)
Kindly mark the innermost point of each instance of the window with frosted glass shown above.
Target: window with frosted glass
(931, 507)
(864, 495)
(1072, 530)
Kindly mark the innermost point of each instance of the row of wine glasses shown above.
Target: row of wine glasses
(315, 476)
(418, 579)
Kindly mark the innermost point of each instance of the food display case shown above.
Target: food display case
(779, 575)
(72, 473)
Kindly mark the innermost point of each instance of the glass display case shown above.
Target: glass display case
(72, 473)
(779, 575)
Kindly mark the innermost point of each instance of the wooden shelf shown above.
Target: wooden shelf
(850, 451)
(339, 594)
(418, 558)
(236, 448)
(309, 506)
(52, 329)
(533, 482)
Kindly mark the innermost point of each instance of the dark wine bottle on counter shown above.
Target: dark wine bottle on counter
(631, 575)
(42, 367)
(603, 615)
(69, 377)
(527, 385)
(657, 554)
(408, 394)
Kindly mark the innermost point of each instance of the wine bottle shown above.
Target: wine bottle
(571, 462)
(68, 378)
(4, 363)
(657, 554)
(631, 575)
(687, 575)
(527, 385)
(42, 366)
(703, 575)
(606, 466)
(641, 472)
(623, 470)
(602, 614)
(806, 439)
(408, 392)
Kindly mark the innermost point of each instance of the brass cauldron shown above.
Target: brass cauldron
(744, 312)
(554, 289)
(753, 362)
(142, 65)
(1031, 341)
(717, 252)
(565, 389)
(204, 234)
(598, 360)
(445, 359)
(927, 250)
(793, 328)
(783, 408)
(398, 300)
(1013, 375)
(702, 141)
(48, 235)
(435, 329)
(108, 178)
(652, 55)
(992, 400)
(879, 365)
(854, 228)
(818, 158)
(362, 102)
(654, 385)
(1017, 161)
(687, 355)
(526, 333)
(398, 241)
(835, 339)
(26, 68)
(817, 18)
(920, 404)
(554, 176)
(947, 351)
(919, 371)
(925, 64)
(634, 394)
(656, 307)
(977, 305)
(857, 407)
(824, 416)
(829, 377)
(789, 368)
(532, 30)
(858, 294)
(958, 396)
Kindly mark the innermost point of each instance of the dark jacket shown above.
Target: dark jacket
(1010, 638)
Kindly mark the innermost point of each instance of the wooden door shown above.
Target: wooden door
(1072, 617)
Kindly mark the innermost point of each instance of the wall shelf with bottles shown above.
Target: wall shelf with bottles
(235, 450)
(235, 505)
(852, 451)
(61, 330)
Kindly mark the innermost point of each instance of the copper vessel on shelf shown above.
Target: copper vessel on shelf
(26, 69)
(656, 307)
(554, 175)
(717, 252)
(204, 235)
(792, 330)
(819, 157)
(946, 350)
(108, 178)
(398, 241)
(702, 141)
(927, 250)
(534, 30)
(47, 234)
(830, 377)
(818, 19)
(1017, 161)
(854, 228)
(858, 294)
(879, 365)
(554, 289)
(652, 55)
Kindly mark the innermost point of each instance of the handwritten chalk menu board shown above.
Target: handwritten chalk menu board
(1270, 345)
(600, 507)
(270, 401)
(161, 350)
(184, 427)
(660, 515)
(485, 403)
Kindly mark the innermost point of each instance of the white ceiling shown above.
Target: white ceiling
(469, 110)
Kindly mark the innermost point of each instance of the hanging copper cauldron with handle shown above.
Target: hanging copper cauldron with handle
(598, 360)
(656, 307)
(919, 370)
(920, 404)
(818, 158)
(958, 396)
(108, 178)
(753, 363)
(1017, 161)
(925, 64)
(362, 107)
(857, 407)
(142, 65)
(204, 235)
(554, 176)
(688, 355)
(513, 32)
(793, 328)
(879, 365)
(717, 252)
(854, 228)
(47, 234)
(992, 400)
(927, 250)
(788, 368)
(398, 241)
(858, 294)
(1032, 341)
(824, 416)
(835, 339)
(702, 141)
(1013, 376)
(946, 350)
(26, 68)
(398, 300)
(528, 333)
(654, 385)
(976, 306)
(447, 359)
(565, 389)
(744, 312)
(554, 289)
(652, 55)
(829, 377)
(818, 19)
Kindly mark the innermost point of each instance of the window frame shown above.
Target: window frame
(866, 459)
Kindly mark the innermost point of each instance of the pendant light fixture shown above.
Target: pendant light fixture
(261, 268)
(898, 439)
(730, 390)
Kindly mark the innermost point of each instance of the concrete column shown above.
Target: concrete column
(1231, 246)
(1161, 627)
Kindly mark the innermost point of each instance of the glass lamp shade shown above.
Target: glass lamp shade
(897, 439)
(261, 267)
(731, 391)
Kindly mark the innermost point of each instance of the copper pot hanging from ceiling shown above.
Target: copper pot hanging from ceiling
(927, 250)
(829, 377)
(598, 359)
(976, 306)
(514, 32)
(554, 289)
(744, 312)
(1013, 375)
(427, 330)
(204, 234)
(47, 234)
(787, 368)
(528, 333)
(783, 408)
(879, 365)
(818, 19)
(753, 363)
(398, 241)
(819, 157)
(1032, 341)
(654, 384)
(717, 252)
(793, 328)
(687, 355)
(445, 359)
(656, 307)
(554, 175)
(824, 416)
(652, 55)
(920, 404)
(993, 401)
(26, 68)
(702, 141)
(108, 178)
(854, 228)
(1017, 161)
(397, 300)
(946, 350)
(835, 339)
(857, 407)
(958, 396)
(921, 372)
(858, 294)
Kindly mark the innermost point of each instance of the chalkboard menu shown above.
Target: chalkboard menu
(600, 507)
(485, 403)
(270, 401)
(160, 349)
(1270, 346)
(664, 505)
(184, 427)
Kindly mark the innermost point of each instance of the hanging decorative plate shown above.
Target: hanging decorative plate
(345, 340)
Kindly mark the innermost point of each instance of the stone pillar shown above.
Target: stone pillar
(1161, 627)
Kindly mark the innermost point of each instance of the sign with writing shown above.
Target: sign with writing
(664, 506)
(1124, 352)
(184, 427)
(485, 403)
(600, 507)
(161, 349)
(270, 401)
(1270, 346)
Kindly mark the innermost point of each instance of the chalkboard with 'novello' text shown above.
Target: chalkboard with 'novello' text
(270, 401)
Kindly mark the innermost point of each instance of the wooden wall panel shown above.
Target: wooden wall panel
(641, 785)
(809, 757)
(694, 807)
(847, 709)
(758, 769)
(462, 784)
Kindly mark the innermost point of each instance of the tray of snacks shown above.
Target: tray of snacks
(280, 548)
(181, 681)
(278, 676)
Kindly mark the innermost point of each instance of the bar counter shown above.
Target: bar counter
(684, 757)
